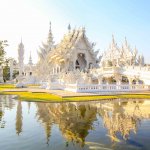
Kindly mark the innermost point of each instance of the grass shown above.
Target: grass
(6, 86)
(47, 97)
(89, 98)
(123, 96)
(28, 96)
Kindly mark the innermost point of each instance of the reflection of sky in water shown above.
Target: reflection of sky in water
(118, 124)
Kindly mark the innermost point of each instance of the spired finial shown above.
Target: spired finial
(21, 39)
(30, 59)
(21, 44)
(69, 27)
(50, 24)
(30, 54)
(113, 39)
(50, 27)
(50, 36)
(126, 43)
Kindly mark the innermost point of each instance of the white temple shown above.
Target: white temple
(26, 72)
(21, 58)
(73, 65)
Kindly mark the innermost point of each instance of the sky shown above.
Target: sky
(29, 20)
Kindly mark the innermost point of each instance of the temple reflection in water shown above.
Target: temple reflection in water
(76, 119)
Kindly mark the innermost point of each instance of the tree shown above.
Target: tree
(6, 70)
(3, 44)
(15, 73)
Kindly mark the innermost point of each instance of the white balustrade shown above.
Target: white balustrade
(105, 88)
(95, 87)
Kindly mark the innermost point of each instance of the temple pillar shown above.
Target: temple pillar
(108, 81)
(137, 84)
(53, 71)
(118, 79)
(100, 80)
(59, 69)
(89, 80)
(137, 81)
(118, 82)
(130, 81)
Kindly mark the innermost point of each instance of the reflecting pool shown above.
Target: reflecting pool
(101, 125)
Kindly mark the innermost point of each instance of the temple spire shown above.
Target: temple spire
(46, 46)
(50, 30)
(30, 59)
(113, 41)
(50, 36)
(21, 39)
(69, 27)
(126, 42)
(21, 57)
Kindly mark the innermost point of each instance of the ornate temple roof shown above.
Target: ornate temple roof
(69, 42)
(124, 54)
(30, 60)
(47, 46)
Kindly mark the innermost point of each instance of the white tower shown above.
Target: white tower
(21, 58)
(30, 65)
(30, 60)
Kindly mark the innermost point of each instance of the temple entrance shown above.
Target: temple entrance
(134, 81)
(141, 82)
(81, 62)
(125, 80)
(90, 65)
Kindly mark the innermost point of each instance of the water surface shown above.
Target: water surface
(104, 125)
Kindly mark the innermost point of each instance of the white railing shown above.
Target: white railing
(95, 87)
(44, 85)
(105, 88)
(55, 86)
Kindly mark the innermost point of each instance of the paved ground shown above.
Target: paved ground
(70, 94)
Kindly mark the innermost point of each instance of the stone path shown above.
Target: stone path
(62, 93)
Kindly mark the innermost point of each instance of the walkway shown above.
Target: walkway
(62, 93)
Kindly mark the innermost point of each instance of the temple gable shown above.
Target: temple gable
(82, 45)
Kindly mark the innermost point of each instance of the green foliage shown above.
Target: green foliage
(28, 96)
(6, 86)
(4, 62)
(6, 70)
(3, 44)
(15, 73)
